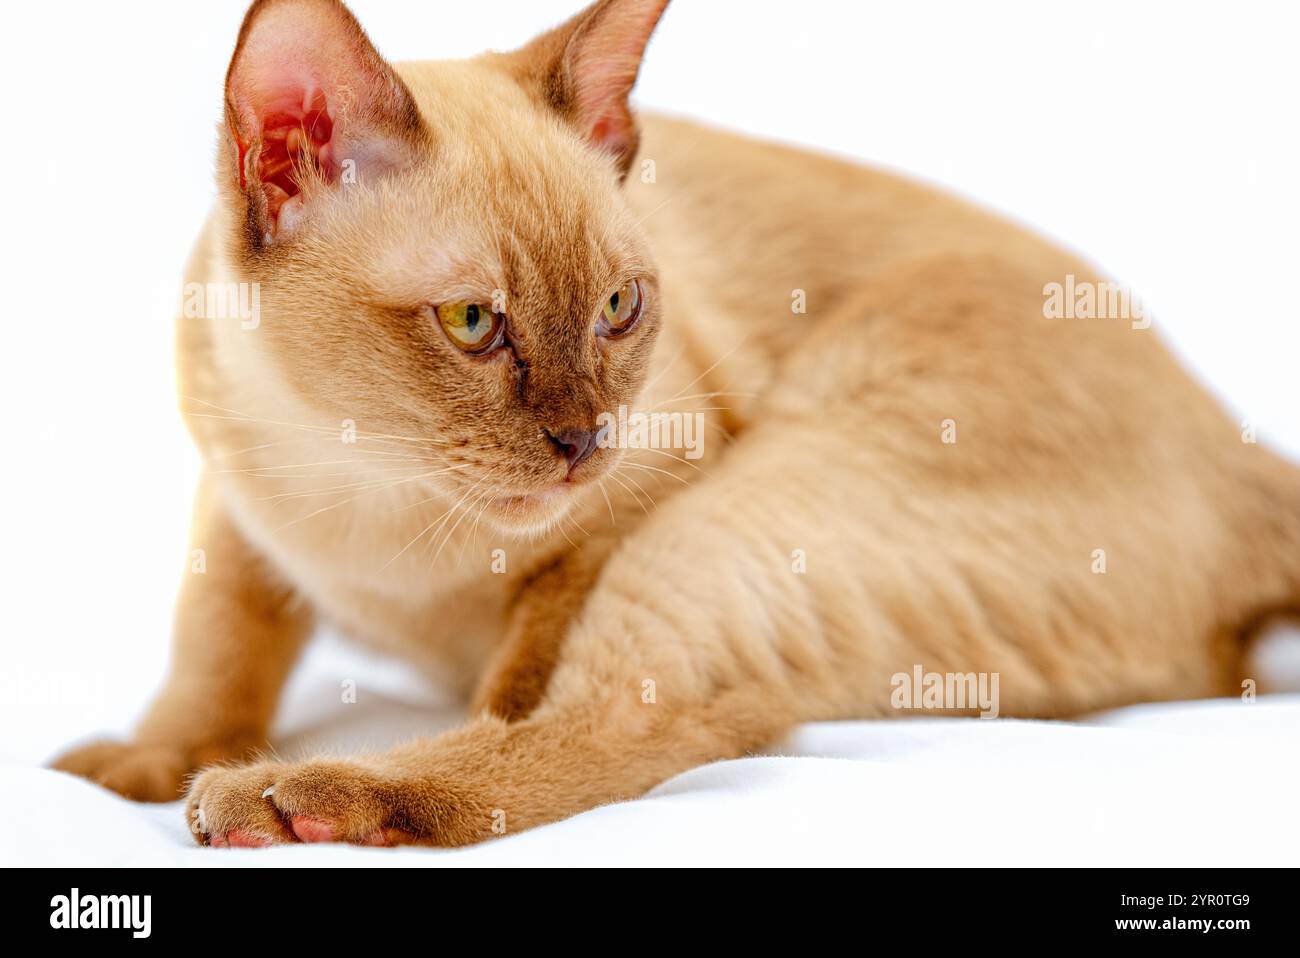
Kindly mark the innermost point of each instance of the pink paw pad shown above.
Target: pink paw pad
(312, 830)
(237, 838)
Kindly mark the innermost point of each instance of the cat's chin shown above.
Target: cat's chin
(533, 511)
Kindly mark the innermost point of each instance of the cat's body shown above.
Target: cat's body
(907, 464)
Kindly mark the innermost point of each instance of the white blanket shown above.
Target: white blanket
(1193, 783)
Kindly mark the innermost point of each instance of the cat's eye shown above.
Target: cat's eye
(621, 311)
(475, 329)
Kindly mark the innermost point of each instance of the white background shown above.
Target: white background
(1159, 138)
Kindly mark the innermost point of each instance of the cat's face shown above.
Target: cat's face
(443, 250)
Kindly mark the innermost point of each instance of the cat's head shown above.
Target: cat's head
(443, 250)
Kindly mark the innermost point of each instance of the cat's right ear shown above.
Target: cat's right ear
(585, 69)
(311, 106)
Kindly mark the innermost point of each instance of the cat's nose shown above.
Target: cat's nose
(576, 445)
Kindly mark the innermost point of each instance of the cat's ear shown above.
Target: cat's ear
(585, 70)
(310, 106)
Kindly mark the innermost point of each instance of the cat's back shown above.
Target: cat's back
(830, 277)
(751, 226)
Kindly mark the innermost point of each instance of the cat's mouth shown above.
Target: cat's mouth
(534, 498)
(532, 507)
(537, 507)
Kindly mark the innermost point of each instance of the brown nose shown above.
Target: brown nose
(576, 445)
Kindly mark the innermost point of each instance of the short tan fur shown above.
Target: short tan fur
(919, 468)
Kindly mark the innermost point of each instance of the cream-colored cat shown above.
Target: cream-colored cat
(462, 269)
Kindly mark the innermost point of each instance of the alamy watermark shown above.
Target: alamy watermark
(241, 301)
(1083, 299)
(651, 430)
(76, 910)
(941, 691)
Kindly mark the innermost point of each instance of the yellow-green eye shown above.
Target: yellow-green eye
(474, 328)
(622, 310)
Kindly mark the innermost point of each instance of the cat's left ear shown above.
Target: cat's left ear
(585, 71)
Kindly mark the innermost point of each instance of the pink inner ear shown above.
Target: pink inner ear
(614, 136)
(603, 78)
(606, 56)
(308, 92)
(613, 131)
(292, 116)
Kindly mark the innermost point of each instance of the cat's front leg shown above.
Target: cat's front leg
(237, 633)
(487, 779)
(641, 688)
(697, 642)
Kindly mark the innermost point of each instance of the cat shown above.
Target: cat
(462, 268)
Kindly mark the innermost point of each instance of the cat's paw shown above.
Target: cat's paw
(275, 803)
(145, 773)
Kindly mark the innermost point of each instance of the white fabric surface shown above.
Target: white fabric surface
(1197, 783)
